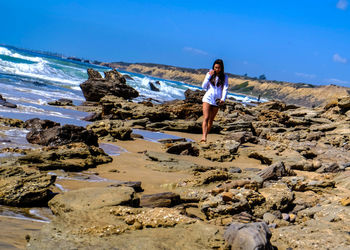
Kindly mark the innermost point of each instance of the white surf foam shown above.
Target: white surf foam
(40, 70)
(6, 52)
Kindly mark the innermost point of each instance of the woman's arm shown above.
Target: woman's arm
(206, 81)
(224, 89)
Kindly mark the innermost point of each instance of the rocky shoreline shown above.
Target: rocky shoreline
(272, 176)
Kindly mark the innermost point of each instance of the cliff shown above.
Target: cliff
(292, 93)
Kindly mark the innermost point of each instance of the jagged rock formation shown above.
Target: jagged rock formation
(114, 83)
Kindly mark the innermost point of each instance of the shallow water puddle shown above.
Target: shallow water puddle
(38, 214)
(111, 149)
(155, 136)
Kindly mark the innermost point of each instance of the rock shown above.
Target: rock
(152, 87)
(234, 170)
(184, 110)
(194, 96)
(127, 77)
(240, 200)
(302, 185)
(11, 122)
(62, 135)
(3, 102)
(205, 178)
(70, 157)
(248, 236)
(261, 156)
(278, 197)
(20, 187)
(117, 108)
(184, 148)
(345, 201)
(275, 171)
(273, 105)
(269, 218)
(329, 168)
(61, 102)
(114, 83)
(115, 129)
(136, 185)
(92, 199)
(161, 225)
(93, 117)
(327, 228)
(285, 216)
(221, 151)
(292, 217)
(166, 141)
(38, 124)
(344, 103)
(241, 137)
(167, 199)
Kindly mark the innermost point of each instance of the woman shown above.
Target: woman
(216, 84)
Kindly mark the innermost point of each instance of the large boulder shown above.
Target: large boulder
(114, 83)
(62, 135)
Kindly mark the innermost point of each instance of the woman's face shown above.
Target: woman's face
(217, 68)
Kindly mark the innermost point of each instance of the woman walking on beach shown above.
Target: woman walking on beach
(216, 84)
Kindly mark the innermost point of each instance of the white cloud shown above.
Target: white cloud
(338, 58)
(336, 81)
(304, 75)
(342, 4)
(195, 51)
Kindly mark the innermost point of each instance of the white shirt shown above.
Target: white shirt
(213, 91)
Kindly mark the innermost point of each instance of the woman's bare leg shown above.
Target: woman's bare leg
(212, 113)
(206, 111)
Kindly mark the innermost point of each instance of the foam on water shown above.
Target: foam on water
(40, 70)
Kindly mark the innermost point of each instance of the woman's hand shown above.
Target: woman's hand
(211, 72)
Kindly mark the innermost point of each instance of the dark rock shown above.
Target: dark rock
(62, 102)
(97, 87)
(93, 117)
(194, 96)
(249, 236)
(275, 171)
(38, 124)
(181, 147)
(61, 135)
(3, 102)
(167, 199)
(93, 74)
(235, 170)
(241, 137)
(331, 168)
(11, 122)
(127, 77)
(153, 88)
(164, 141)
(136, 185)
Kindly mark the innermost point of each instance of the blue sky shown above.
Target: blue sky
(298, 41)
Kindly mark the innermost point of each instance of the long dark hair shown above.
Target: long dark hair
(221, 75)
